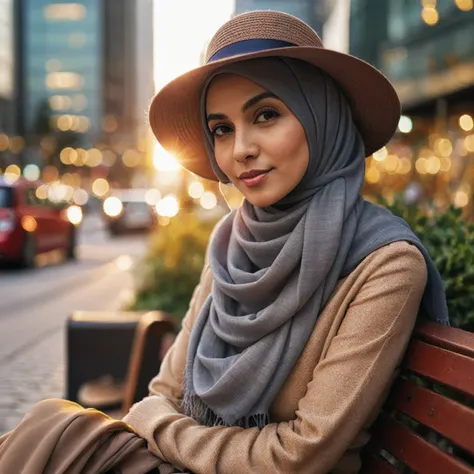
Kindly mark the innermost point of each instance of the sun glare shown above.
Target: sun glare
(182, 31)
(164, 161)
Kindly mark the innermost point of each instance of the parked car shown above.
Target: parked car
(127, 210)
(30, 226)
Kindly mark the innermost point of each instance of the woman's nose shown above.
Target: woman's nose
(244, 147)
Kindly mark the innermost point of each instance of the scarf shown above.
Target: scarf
(275, 268)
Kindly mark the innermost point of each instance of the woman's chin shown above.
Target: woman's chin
(260, 198)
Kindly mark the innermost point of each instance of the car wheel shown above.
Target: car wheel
(28, 252)
(71, 246)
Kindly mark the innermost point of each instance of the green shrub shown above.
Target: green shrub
(170, 271)
(449, 239)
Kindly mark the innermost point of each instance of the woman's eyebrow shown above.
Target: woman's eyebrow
(216, 117)
(256, 99)
(250, 103)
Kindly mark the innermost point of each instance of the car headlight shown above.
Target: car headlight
(113, 206)
(74, 215)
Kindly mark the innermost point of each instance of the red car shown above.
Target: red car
(30, 226)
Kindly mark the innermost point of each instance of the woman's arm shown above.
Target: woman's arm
(345, 388)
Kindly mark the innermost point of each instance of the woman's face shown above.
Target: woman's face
(258, 142)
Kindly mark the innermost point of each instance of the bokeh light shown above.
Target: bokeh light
(196, 189)
(405, 124)
(131, 158)
(168, 206)
(100, 187)
(28, 223)
(80, 197)
(113, 206)
(94, 158)
(464, 5)
(124, 262)
(74, 215)
(152, 196)
(466, 122)
(31, 172)
(12, 174)
(42, 192)
(430, 15)
(208, 200)
(381, 154)
(469, 143)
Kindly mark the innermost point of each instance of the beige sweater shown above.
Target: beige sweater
(322, 413)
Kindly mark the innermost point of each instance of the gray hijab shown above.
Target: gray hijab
(275, 268)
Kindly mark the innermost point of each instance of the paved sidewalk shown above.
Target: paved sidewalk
(33, 339)
(36, 385)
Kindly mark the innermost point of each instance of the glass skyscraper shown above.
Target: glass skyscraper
(62, 57)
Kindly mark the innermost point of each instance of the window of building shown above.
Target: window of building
(64, 80)
(65, 11)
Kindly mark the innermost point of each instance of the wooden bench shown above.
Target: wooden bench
(427, 424)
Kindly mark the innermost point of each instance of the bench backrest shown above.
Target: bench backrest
(154, 334)
(427, 425)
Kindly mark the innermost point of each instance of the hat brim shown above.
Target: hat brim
(175, 118)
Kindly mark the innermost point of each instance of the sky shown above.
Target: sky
(182, 29)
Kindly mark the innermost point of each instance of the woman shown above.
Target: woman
(310, 294)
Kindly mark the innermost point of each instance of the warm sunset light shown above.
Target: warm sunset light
(180, 39)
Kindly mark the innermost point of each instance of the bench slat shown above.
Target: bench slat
(450, 418)
(441, 365)
(453, 339)
(374, 464)
(413, 450)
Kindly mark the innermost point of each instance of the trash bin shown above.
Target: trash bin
(112, 356)
(99, 345)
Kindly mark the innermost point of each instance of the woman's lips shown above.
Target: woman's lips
(256, 179)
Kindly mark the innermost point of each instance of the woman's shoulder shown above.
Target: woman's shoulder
(400, 250)
(399, 259)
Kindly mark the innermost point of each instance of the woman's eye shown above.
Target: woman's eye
(266, 115)
(220, 130)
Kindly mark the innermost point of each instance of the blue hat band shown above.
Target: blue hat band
(248, 46)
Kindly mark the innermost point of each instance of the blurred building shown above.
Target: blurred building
(313, 12)
(61, 58)
(76, 75)
(128, 86)
(427, 51)
(128, 69)
(426, 48)
(7, 74)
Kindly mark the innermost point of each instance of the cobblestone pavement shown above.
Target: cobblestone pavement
(32, 343)
(24, 386)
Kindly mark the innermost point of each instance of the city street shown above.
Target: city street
(34, 305)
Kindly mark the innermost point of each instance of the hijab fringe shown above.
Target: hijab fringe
(194, 407)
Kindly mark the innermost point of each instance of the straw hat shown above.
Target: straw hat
(175, 111)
